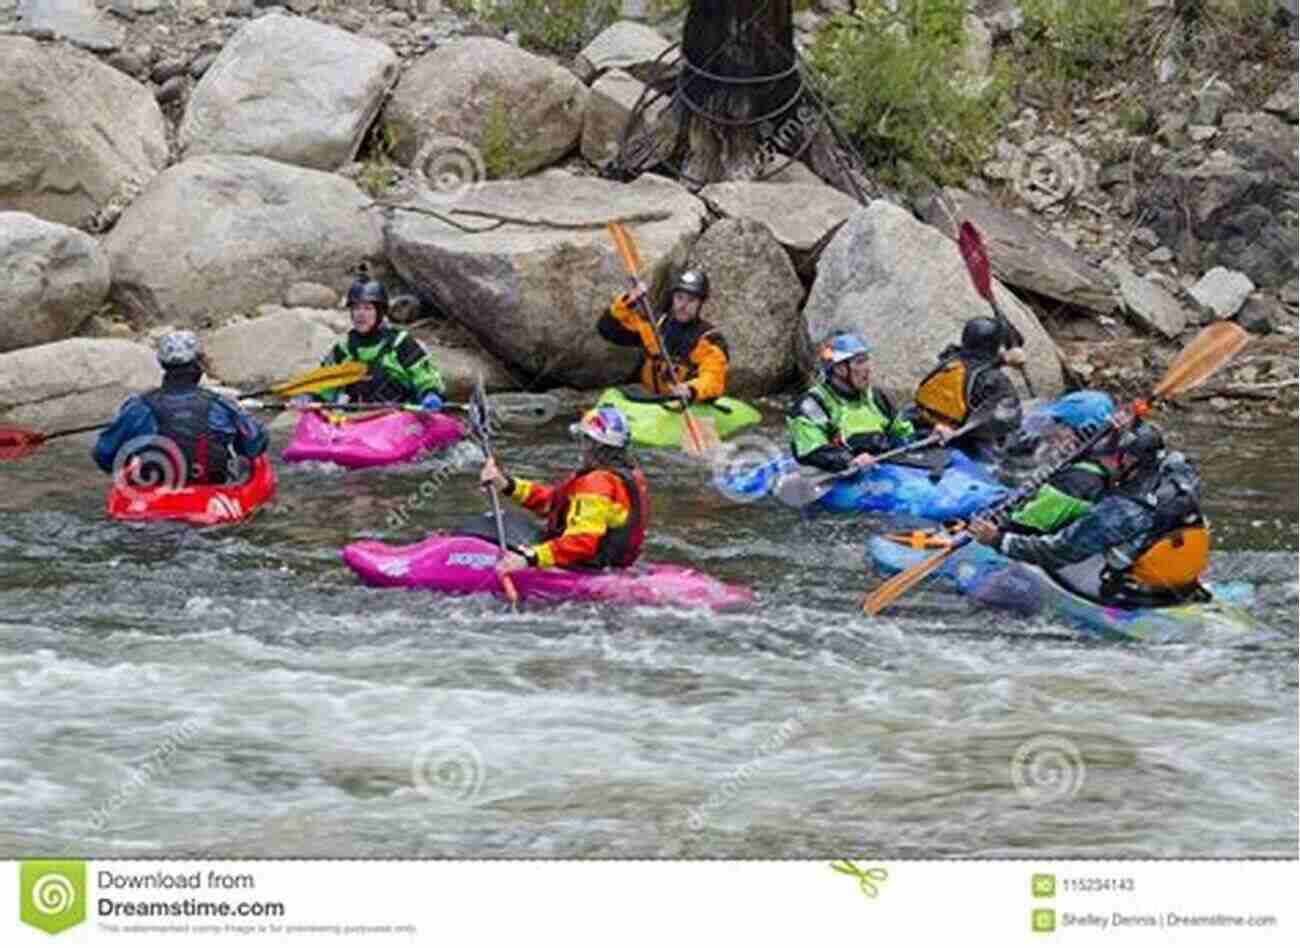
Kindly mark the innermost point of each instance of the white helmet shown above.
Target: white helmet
(178, 348)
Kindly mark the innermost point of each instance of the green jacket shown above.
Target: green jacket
(1062, 500)
(401, 370)
(828, 428)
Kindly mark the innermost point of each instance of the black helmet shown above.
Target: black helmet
(366, 290)
(982, 335)
(694, 282)
(1141, 447)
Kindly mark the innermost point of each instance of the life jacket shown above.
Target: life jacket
(944, 396)
(620, 546)
(380, 386)
(680, 340)
(870, 415)
(181, 413)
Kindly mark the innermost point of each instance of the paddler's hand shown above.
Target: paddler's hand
(510, 562)
(491, 475)
(1014, 357)
(944, 432)
(682, 390)
(634, 295)
(983, 531)
(865, 459)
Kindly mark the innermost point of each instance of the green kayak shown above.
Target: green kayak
(657, 423)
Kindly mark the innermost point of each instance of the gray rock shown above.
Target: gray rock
(1210, 102)
(1001, 17)
(1261, 315)
(79, 21)
(173, 90)
(201, 64)
(1285, 100)
(168, 69)
(310, 109)
(1149, 305)
(73, 382)
(449, 95)
(54, 277)
(1160, 255)
(130, 63)
(977, 55)
(802, 217)
(534, 288)
(1201, 133)
(90, 136)
(312, 296)
(222, 233)
(631, 47)
(1224, 291)
(884, 270)
(613, 96)
(1022, 257)
(265, 350)
(754, 300)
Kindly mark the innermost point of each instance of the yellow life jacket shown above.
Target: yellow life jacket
(1175, 561)
(943, 397)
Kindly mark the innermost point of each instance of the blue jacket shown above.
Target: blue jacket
(1118, 526)
(135, 419)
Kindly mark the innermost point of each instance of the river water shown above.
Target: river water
(237, 693)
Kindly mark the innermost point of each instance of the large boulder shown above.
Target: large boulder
(77, 21)
(1148, 304)
(78, 139)
(608, 108)
(458, 90)
(904, 287)
(291, 89)
(54, 278)
(73, 382)
(625, 45)
(533, 288)
(754, 301)
(1022, 257)
(802, 217)
(267, 350)
(1237, 207)
(223, 233)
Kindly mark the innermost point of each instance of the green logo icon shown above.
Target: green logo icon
(1043, 920)
(52, 894)
(1044, 885)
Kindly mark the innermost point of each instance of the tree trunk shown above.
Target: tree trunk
(720, 131)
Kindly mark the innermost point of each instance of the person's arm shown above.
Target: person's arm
(529, 494)
(596, 503)
(250, 437)
(995, 388)
(710, 360)
(898, 427)
(1111, 523)
(419, 372)
(623, 325)
(134, 419)
(810, 442)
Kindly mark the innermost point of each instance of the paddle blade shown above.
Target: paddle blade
(17, 443)
(701, 437)
(795, 490)
(523, 408)
(894, 587)
(977, 261)
(1206, 354)
(626, 248)
(318, 380)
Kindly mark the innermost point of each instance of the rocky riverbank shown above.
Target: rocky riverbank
(225, 165)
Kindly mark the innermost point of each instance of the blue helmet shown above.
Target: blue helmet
(842, 347)
(604, 425)
(1086, 409)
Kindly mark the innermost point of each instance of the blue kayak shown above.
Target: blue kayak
(993, 580)
(954, 487)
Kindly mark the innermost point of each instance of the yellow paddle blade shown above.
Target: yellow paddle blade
(891, 589)
(626, 248)
(318, 380)
(1202, 357)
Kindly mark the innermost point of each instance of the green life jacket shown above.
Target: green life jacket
(390, 380)
(1052, 508)
(824, 416)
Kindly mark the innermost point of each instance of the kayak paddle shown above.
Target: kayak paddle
(1212, 348)
(17, 443)
(703, 437)
(971, 246)
(800, 490)
(478, 422)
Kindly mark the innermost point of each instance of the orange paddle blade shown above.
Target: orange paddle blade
(626, 248)
(891, 589)
(1203, 356)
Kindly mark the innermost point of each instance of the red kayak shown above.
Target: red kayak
(201, 505)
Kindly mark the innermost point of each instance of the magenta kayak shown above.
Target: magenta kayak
(389, 438)
(462, 565)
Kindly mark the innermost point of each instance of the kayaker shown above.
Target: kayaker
(842, 421)
(597, 517)
(697, 348)
(1072, 493)
(207, 428)
(1143, 544)
(401, 369)
(968, 376)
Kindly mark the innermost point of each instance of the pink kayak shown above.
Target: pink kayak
(462, 565)
(389, 438)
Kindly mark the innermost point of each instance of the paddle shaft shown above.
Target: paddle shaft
(672, 371)
(478, 421)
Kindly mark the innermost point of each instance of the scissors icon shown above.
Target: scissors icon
(867, 878)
